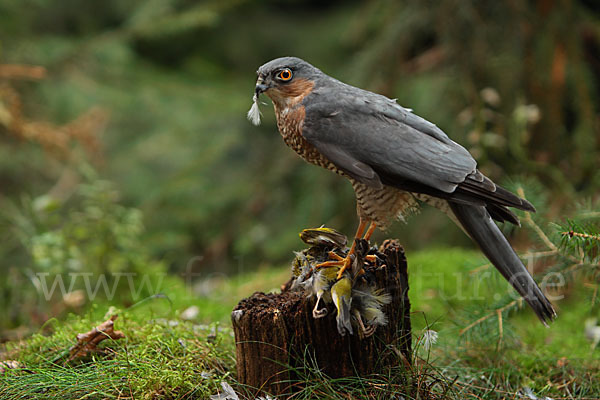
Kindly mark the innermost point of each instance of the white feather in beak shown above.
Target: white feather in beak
(254, 112)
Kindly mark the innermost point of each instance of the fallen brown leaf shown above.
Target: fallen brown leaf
(88, 342)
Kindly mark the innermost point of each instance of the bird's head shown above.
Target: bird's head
(286, 79)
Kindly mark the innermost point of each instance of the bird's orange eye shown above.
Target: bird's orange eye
(285, 75)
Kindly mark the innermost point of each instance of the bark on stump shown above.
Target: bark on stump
(276, 334)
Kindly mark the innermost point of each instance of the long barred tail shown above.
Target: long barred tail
(477, 222)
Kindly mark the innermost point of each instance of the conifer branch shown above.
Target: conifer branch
(498, 312)
(581, 235)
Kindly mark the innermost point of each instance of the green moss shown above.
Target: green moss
(159, 358)
(165, 357)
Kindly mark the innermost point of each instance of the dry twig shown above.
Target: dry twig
(88, 342)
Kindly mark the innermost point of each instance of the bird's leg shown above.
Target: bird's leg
(335, 256)
(359, 232)
(363, 331)
(319, 313)
(336, 261)
(327, 264)
(344, 262)
(370, 257)
(370, 231)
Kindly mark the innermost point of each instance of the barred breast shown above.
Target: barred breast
(383, 206)
(289, 123)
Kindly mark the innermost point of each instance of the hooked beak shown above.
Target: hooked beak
(261, 86)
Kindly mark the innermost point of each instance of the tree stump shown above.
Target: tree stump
(277, 336)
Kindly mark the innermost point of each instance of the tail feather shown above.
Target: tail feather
(502, 214)
(479, 225)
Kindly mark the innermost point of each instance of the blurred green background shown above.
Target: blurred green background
(124, 144)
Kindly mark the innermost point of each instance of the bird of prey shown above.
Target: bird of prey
(394, 160)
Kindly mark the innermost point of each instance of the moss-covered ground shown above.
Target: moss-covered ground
(164, 356)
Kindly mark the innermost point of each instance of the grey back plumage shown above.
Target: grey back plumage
(362, 132)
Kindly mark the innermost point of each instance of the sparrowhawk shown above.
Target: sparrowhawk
(394, 160)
